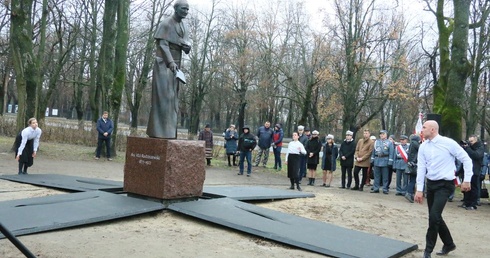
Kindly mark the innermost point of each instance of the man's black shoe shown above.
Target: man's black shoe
(426, 255)
(446, 249)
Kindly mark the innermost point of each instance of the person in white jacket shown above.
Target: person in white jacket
(295, 149)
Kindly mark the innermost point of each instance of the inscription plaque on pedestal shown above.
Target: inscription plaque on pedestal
(164, 168)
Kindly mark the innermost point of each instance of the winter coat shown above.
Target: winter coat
(314, 145)
(383, 153)
(399, 163)
(347, 149)
(335, 154)
(304, 139)
(104, 127)
(231, 142)
(364, 148)
(247, 142)
(277, 137)
(413, 151)
(265, 137)
(476, 152)
(207, 137)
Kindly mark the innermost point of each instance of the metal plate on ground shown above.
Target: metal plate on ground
(293, 230)
(255, 193)
(33, 215)
(70, 183)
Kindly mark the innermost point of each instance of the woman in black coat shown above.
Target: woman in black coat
(346, 156)
(313, 148)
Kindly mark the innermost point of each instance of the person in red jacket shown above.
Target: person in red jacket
(277, 136)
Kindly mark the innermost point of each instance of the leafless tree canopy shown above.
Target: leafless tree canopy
(369, 64)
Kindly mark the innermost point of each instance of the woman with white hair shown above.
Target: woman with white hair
(313, 148)
(329, 160)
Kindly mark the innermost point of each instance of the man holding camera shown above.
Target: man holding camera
(475, 150)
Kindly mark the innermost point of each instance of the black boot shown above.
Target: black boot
(313, 181)
(298, 187)
(208, 162)
(292, 184)
(234, 161)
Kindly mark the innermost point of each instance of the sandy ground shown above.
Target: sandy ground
(168, 234)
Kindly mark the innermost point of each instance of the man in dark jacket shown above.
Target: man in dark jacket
(264, 135)
(346, 154)
(304, 137)
(475, 151)
(413, 150)
(104, 129)
(246, 144)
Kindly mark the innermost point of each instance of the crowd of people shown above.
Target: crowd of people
(369, 161)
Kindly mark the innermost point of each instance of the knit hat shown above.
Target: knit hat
(278, 126)
(329, 137)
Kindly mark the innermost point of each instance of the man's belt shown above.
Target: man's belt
(381, 155)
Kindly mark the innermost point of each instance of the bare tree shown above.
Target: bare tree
(141, 55)
(61, 43)
(24, 59)
(454, 66)
(120, 60)
(361, 77)
(479, 50)
(240, 55)
(204, 35)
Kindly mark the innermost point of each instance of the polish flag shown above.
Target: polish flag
(418, 126)
(402, 152)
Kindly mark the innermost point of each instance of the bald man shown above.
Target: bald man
(436, 162)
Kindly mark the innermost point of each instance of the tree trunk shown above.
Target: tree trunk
(94, 91)
(454, 68)
(120, 60)
(24, 60)
(105, 65)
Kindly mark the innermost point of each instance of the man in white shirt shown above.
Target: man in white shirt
(436, 163)
(27, 143)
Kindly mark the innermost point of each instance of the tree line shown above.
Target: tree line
(366, 65)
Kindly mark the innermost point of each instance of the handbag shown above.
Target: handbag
(484, 191)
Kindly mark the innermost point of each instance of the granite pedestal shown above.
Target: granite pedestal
(164, 168)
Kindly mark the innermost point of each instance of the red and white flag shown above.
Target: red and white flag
(402, 152)
(418, 126)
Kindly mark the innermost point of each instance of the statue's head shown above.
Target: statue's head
(181, 8)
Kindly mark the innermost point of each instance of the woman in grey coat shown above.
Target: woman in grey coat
(231, 138)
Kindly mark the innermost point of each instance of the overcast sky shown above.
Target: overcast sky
(413, 9)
